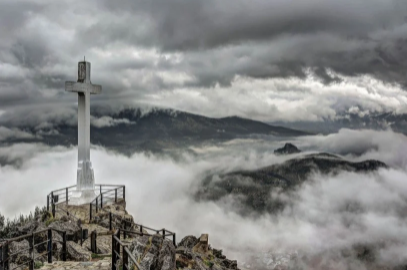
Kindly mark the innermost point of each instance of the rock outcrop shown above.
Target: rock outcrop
(193, 253)
(24, 255)
(288, 148)
(153, 252)
(76, 252)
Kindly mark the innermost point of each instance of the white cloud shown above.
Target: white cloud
(346, 209)
(291, 99)
(107, 121)
(6, 133)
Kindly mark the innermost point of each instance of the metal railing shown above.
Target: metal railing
(121, 254)
(126, 227)
(6, 258)
(107, 194)
(59, 196)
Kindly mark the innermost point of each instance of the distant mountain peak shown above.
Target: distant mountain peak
(288, 148)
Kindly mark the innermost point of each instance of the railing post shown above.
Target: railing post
(93, 237)
(115, 195)
(173, 240)
(113, 253)
(141, 230)
(90, 212)
(97, 205)
(53, 209)
(31, 243)
(125, 259)
(124, 193)
(64, 249)
(52, 204)
(163, 233)
(101, 201)
(115, 249)
(49, 248)
(110, 221)
(100, 189)
(47, 203)
(81, 235)
(5, 258)
(118, 244)
(66, 194)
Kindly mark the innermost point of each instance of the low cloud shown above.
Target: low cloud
(6, 133)
(357, 145)
(324, 216)
(107, 121)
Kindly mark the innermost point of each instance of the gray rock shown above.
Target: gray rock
(231, 264)
(288, 148)
(24, 254)
(40, 239)
(153, 252)
(189, 241)
(71, 228)
(27, 228)
(77, 253)
(166, 257)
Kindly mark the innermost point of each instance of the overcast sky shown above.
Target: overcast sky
(262, 59)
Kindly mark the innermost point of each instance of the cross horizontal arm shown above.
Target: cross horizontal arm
(83, 87)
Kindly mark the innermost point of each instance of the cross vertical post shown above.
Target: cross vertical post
(85, 176)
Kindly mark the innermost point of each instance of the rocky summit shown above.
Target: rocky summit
(288, 148)
(151, 251)
(196, 253)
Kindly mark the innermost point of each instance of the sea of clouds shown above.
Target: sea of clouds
(327, 214)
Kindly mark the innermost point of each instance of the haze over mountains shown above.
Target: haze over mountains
(131, 130)
(253, 187)
(134, 129)
(375, 121)
(229, 173)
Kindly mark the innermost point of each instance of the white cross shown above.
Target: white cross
(84, 88)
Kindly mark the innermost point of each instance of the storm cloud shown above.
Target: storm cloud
(185, 54)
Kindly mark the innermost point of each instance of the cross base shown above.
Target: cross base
(85, 189)
(82, 197)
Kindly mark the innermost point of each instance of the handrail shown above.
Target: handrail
(62, 189)
(165, 232)
(6, 256)
(64, 194)
(123, 256)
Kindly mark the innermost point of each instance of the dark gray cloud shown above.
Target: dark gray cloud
(149, 51)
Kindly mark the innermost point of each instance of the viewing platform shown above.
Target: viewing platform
(105, 195)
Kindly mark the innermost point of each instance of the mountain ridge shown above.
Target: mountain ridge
(131, 130)
(253, 187)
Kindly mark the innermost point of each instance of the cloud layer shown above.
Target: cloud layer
(346, 209)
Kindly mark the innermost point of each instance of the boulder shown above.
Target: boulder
(166, 256)
(27, 228)
(188, 241)
(153, 252)
(24, 255)
(40, 239)
(72, 229)
(218, 253)
(76, 252)
(231, 264)
(194, 253)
